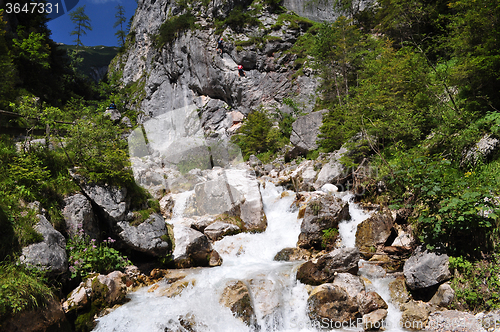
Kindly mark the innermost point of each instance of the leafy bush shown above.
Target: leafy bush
(258, 135)
(20, 290)
(453, 210)
(86, 256)
(476, 284)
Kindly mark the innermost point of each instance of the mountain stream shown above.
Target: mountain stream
(279, 301)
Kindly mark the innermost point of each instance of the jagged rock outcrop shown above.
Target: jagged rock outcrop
(321, 213)
(111, 200)
(305, 132)
(78, 214)
(50, 254)
(189, 71)
(482, 150)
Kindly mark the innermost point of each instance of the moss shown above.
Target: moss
(171, 28)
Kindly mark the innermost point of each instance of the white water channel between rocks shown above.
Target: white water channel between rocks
(279, 300)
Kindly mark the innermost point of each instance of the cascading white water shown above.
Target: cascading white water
(279, 300)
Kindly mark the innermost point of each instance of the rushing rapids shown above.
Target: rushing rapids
(279, 301)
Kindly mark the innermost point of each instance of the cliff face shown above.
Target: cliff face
(190, 71)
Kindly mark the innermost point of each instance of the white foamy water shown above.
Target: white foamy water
(278, 299)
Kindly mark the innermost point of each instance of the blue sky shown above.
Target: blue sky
(102, 18)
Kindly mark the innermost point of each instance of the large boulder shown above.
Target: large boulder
(330, 303)
(425, 269)
(374, 231)
(192, 248)
(111, 200)
(150, 237)
(48, 255)
(236, 297)
(482, 150)
(305, 131)
(78, 214)
(235, 192)
(340, 260)
(350, 283)
(322, 213)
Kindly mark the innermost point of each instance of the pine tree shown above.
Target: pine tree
(120, 19)
(82, 22)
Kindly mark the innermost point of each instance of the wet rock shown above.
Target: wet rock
(453, 321)
(444, 296)
(150, 237)
(374, 320)
(399, 293)
(236, 297)
(305, 131)
(192, 248)
(48, 255)
(266, 295)
(425, 269)
(77, 214)
(371, 270)
(111, 287)
(176, 288)
(374, 231)
(292, 254)
(167, 206)
(215, 259)
(49, 318)
(218, 230)
(201, 223)
(415, 315)
(370, 301)
(350, 283)
(330, 303)
(338, 261)
(321, 213)
(235, 192)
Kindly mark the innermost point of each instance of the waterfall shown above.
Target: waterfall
(279, 301)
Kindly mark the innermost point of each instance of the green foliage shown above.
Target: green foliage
(21, 290)
(455, 210)
(258, 135)
(329, 237)
(82, 24)
(120, 19)
(238, 19)
(86, 256)
(476, 284)
(171, 28)
(33, 49)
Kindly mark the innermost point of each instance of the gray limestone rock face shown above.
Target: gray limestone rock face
(77, 214)
(189, 71)
(50, 254)
(483, 149)
(112, 201)
(333, 171)
(149, 237)
(305, 131)
(321, 213)
(425, 269)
